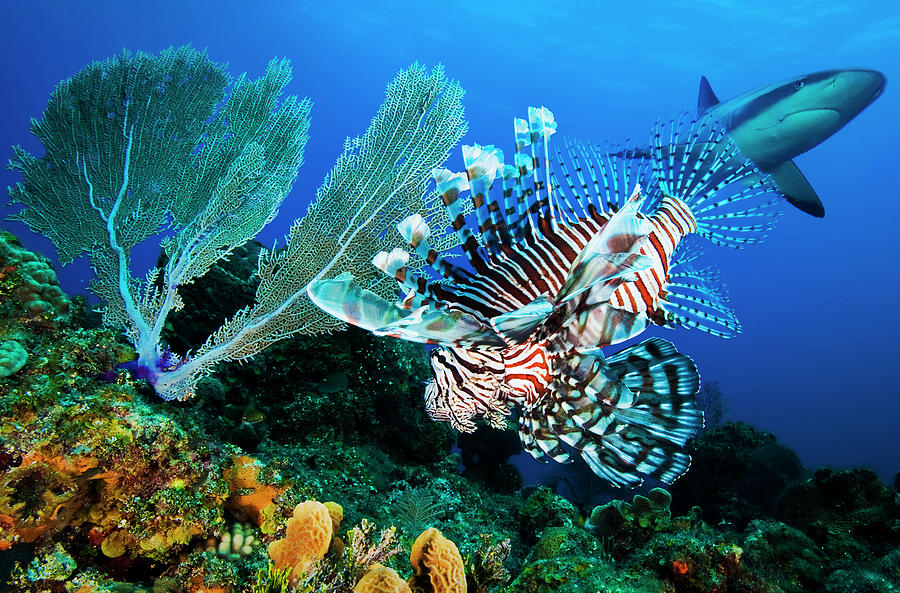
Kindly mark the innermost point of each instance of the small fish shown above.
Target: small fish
(565, 263)
(252, 415)
(333, 383)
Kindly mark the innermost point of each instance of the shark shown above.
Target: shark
(773, 124)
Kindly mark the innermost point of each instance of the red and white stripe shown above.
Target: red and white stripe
(671, 223)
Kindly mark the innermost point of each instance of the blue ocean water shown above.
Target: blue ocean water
(816, 361)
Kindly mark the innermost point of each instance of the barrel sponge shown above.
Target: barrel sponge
(308, 537)
(381, 579)
(12, 357)
(438, 564)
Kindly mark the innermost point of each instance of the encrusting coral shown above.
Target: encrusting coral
(251, 496)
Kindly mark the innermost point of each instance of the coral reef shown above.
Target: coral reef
(12, 357)
(850, 513)
(543, 508)
(737, 474)
(104, 488)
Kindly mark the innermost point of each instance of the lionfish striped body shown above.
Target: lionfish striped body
(560, 267)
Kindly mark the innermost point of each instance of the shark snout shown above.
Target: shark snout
(858, 87)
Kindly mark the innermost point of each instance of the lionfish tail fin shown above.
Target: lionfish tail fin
(629, 416)
(733, 202)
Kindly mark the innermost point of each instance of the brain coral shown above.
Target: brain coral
(12, 357)
(438, 564)
(381, 579)
(37, 287)
(308, 537)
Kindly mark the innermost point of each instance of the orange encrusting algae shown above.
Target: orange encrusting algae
(249, 495)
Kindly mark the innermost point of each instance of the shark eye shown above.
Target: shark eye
(800, 84)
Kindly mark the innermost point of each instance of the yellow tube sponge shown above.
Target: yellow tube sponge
(308, 537)
(438, 564)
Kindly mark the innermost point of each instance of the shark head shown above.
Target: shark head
(782, 120)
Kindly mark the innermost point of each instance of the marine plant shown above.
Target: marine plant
(484, 566)
(416, 509)
(142, 145)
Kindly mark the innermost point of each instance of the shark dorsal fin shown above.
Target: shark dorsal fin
(707, 97)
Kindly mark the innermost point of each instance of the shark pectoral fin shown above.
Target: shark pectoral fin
(791, 182)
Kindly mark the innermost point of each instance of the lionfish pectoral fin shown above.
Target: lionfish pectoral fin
(341, 297)
(345, 299)
(696, 297)
(595, 325)
(446, 328)
(602, 273)
(695, 160)
(612, 253)
(629, 416)
(516, 326)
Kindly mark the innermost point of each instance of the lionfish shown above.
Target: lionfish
(561, 266)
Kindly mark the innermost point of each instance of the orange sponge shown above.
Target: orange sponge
(308, 537)
(336, 512)
(438, 564)
(381, 579)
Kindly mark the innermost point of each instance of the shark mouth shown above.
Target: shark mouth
(823, 116)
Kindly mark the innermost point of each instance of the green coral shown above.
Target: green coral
(542, 509)
(652, 510)
(485, 566)
(785, 555)
(53, 565)
(12, 357)
(272, 580)
(648, 512)
(577, 574)
(570, 540)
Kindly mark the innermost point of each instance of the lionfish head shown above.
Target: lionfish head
(435, 405)
(465, 386)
